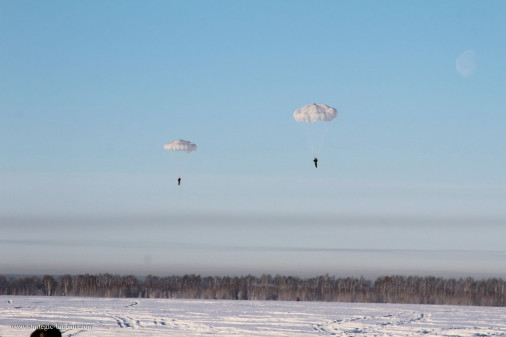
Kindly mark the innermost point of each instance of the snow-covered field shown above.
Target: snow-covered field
(155, 317)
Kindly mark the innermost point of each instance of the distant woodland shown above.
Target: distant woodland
(386, 289)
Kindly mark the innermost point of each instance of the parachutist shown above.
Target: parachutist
(315, 114)
(180, 145)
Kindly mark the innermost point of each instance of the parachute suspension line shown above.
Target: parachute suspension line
(321, 141)
(315, 135)
(181, 162)
(309, 138)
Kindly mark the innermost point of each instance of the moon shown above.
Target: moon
(465, 63)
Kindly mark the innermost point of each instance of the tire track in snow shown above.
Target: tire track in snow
(378, 324)
(401, 324)
(123, 322)
(73, 334)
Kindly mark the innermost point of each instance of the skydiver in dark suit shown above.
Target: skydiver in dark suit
(315, 162)
(178, 181)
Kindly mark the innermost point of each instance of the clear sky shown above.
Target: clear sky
(412, 172)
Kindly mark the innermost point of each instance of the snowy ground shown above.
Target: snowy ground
(152, 317)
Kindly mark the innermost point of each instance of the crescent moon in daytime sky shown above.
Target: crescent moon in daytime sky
(465, 63)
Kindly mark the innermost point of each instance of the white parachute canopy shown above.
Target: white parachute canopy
(315, 112)
(180, 145)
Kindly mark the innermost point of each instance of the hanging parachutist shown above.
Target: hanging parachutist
(178, 181)
(315, 162)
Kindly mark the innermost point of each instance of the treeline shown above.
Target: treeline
(387, 289)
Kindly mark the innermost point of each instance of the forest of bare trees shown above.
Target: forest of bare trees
(386, 289)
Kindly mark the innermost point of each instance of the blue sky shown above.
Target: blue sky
(411, 177)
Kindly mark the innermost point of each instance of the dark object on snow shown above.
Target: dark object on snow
(315, 162)
(46, 331)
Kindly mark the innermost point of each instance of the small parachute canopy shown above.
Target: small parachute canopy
(180, 145)
(315, 112)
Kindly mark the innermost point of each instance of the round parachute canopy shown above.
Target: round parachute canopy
(180, 145)
(315, 112)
